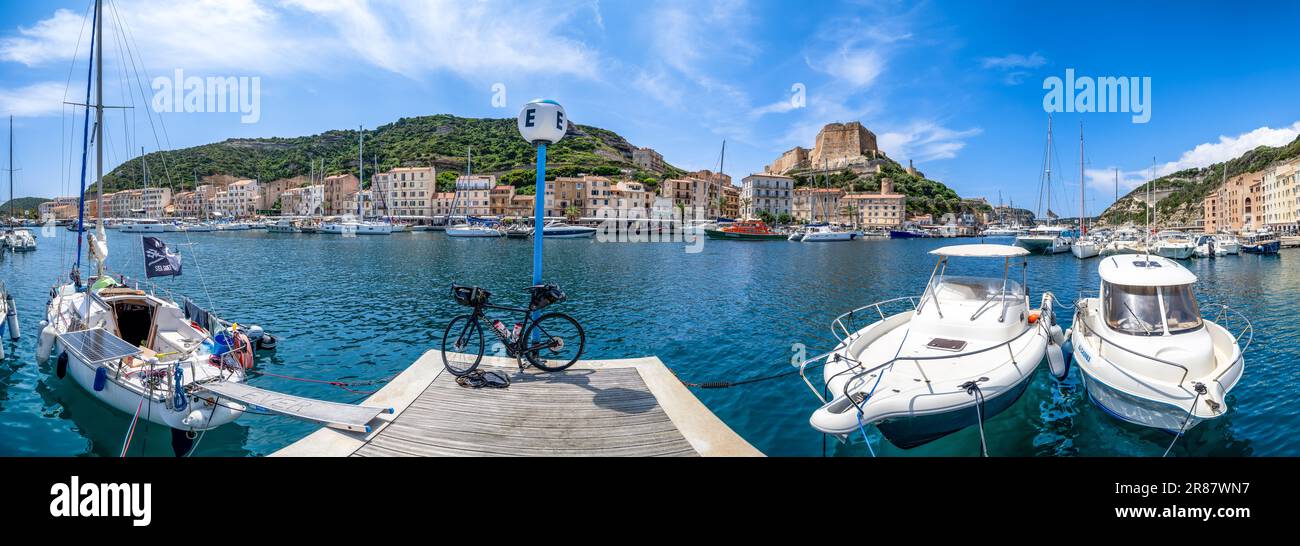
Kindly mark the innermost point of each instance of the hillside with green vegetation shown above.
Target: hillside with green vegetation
(441, 140)
(1191, 187)
(23, 207)
(924, 196)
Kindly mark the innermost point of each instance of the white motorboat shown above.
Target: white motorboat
(284, 226)
(1146, 354)
(1087, 247)
(474, 230)
(1124, 241)
(959, 354)
(20, 240)
(999, 230)
(1173, 244)
(561, 230)
(374, 228)
(233, 226)
(796, 235)
(1227, 243)
(827, 233)
(1206, 247)
(1045, 240)
(149, 225)
(198, 228)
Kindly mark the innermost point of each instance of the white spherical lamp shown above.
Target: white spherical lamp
(543, 121)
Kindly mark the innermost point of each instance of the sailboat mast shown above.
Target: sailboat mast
(99, 127)
(11, 168)
(1083, 230)
(1049, 170)
(361, 172)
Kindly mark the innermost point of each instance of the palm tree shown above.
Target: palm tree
(572, 213)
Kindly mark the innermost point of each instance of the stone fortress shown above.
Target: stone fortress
(838, 146)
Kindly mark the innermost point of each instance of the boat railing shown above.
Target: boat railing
(838, 326)
(1226, 313)
(1089, 330)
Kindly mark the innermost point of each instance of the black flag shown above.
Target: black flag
(158, 262)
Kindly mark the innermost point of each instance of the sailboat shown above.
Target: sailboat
(359, 225)
(824, 232)
(1084, 247)
(1046, 238)
(475, 227)
(18, 239)
(144, 355)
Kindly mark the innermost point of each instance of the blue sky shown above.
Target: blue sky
(957, 87)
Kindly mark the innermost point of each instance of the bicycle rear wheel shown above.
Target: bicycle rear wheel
(463, 339)
(558, 342)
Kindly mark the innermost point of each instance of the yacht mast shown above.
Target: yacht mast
(1048, 185)
(99, 130)
(11, 168)
(361, 166)
(1083, 230)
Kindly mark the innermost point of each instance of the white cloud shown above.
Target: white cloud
(40, 99)
(857, 66)
(48, 40)
(493, 39)
(1202, 155)
(925, 141)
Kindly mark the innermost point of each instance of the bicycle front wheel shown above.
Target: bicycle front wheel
(554, 342)
(462, 345)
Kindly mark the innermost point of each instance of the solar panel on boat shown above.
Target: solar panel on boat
(96, 345)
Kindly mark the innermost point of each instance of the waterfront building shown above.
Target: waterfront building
(677, 191)
(1212, 212)
(58, 208)
(648, 159)
(1278, 192)
(766, 192)
(597, 193)
(473, 194)
(270, 191)
(304, 201)
(883, 210)
(631, 195)
(124, 204)
(366, 207)
(443, 203)
(406, 191)
(155, 201)
(338, 188)
(730, 201)
(238, 199)
(817, 204)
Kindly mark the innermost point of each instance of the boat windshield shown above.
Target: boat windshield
(1136, 310)
(1182, 313)
(950, 287)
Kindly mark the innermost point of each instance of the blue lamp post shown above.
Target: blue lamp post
(541, 122)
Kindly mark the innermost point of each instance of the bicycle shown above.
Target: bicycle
(547, 342)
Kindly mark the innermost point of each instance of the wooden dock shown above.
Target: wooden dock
(630, 407)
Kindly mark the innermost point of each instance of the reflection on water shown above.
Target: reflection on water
(364, 308)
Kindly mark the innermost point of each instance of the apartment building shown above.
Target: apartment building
(59, 208)
(1278, 192)
(883, 210)
(406, 191)
(442, 203)
(155, 201)
(771, 193)
(473, 194)
(359, 203)
(629, 195)
(339, 189)
(239, 199)
(817, 205)
(304, 201)
(648, 159)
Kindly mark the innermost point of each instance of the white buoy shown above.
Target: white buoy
(1056, 361)
(46, 343)
(11, 317)
(1057, 335)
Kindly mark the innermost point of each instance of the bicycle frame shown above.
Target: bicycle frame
(513, 348)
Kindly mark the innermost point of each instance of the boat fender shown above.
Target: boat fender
(1057, 362)
(11, 317)
(61, 366)
(194, 418)
(1058, 336)
(2, 348)
(179, 401)
(101, 378)
(266, 343)
(46, 343)
(1033, 318)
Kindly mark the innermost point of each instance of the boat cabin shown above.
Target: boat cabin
(144, 321)
(1143, 295)
(962, 306)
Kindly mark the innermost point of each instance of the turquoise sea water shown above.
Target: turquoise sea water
(364, 308)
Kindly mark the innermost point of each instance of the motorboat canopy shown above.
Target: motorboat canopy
(980, 251)
(1144, 270)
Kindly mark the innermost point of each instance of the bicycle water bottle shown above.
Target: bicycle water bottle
(500, 328)
(514, 335)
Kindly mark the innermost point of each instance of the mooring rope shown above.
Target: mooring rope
(345, 385)
(130, 432)
(1200, 389)
(973, 388)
